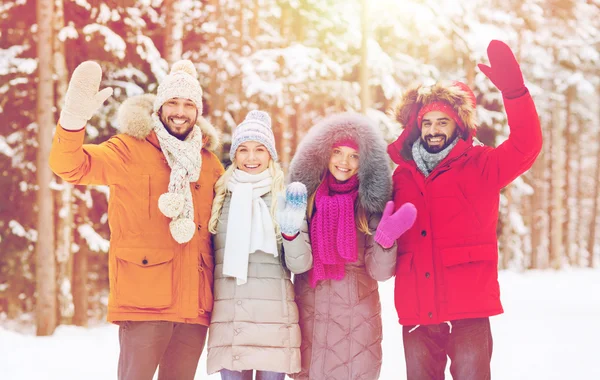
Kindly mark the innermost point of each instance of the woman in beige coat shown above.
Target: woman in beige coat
(344, 165)
(257, 242)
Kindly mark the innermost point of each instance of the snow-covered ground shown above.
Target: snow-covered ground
(550, 330)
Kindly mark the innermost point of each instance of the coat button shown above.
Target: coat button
(199, 227)
(430, 314)
(236, 357)
(197, 186)
(423, 233)
(239, 302)
(427, 274)
(144, 261)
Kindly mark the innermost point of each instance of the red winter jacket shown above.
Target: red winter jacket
(447, 263)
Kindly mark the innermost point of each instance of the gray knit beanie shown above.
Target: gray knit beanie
(255, 127)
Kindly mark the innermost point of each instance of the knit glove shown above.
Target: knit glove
(83, 99)
(392, 226)
(504, 70)
(291, 210)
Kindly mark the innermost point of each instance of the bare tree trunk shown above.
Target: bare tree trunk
(593, 223)
(365, 90)
(80, 271)
(538, 211)
(173, 31)
(567, 236)
(64, 198)
(254, 23)
(45, 261)
(580, 196)
(557, 177)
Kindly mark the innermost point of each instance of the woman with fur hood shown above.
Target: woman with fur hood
(344, 165)
(254, 323)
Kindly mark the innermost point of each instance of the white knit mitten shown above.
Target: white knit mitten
(83, 99)
(291, 210)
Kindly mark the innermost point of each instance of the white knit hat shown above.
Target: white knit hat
(182, 82)
(255, 127)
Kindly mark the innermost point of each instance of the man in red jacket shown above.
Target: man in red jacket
(446, 272)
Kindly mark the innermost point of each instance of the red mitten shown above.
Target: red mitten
(392, 226)
(504, 70)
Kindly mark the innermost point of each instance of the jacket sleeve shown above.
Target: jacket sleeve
(87, 164)
(517, 154)
(380, 262)
(298, 253)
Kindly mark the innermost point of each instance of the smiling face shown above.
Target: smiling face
(178, 116)
(438, 130)
(343, 163)
(252, 157)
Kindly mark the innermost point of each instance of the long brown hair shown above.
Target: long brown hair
(360, 214)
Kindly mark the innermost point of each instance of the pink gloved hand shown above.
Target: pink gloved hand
(392, 226)
(504, 70)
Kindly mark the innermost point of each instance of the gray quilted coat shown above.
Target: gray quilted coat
(341, 320)
(255, 325)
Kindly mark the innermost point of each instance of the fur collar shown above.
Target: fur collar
(374, 174)
(135, 119)
(457, 94)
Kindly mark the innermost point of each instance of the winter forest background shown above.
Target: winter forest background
(300, 60)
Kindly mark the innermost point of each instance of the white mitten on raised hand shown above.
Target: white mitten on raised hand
(291, 210)
(83, 99)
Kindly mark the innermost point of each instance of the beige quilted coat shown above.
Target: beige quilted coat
(255, 325)
(341, 320)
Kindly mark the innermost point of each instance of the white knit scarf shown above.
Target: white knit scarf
(185, 160)
(249, 224)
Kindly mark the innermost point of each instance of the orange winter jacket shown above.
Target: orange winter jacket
(152, 277)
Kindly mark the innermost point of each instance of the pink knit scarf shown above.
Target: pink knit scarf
(333, 229)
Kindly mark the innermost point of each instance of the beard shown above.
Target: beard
(436, 148)
(179, 131)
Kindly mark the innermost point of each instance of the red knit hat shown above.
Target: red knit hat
(442, 107)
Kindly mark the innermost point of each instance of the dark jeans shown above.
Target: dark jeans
(469, 346)
(247, 375)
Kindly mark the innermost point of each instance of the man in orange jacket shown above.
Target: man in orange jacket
(161, 171)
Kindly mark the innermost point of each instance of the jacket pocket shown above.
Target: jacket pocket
(206, 273)
(144, 278)
(405, 293)
(470, 278)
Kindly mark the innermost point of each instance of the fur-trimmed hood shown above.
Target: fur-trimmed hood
(374, 173)
(135, 119)
(457, 94)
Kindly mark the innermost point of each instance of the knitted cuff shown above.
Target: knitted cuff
(513, 94)
(383, 239)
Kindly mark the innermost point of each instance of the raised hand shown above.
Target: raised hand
(504, 70)
(291, 210)
(393, 224)
(83, 99)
